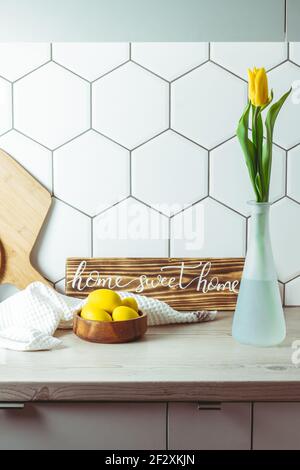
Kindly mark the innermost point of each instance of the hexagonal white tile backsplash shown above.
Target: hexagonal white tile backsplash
(115, 129)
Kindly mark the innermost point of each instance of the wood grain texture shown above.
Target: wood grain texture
(193, 362)
(110, 332)
(184, 293)
(24, 204)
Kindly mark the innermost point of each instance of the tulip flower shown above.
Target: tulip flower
(258, 151)
(258, 87)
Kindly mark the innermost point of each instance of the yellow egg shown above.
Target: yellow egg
(95, 313)
(124, 313)
(130, 302)
(105, 298)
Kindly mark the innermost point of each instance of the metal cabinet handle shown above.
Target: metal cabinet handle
(209, 405)
(4, 406)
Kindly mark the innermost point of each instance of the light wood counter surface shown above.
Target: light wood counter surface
(198, 362)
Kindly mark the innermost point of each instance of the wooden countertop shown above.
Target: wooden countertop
(199, 362)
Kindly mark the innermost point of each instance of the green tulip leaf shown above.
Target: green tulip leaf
(247, 146)
(267, 148)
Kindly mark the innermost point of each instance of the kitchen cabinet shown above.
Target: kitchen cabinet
(276, 426)
(83, 426)
(209, 426)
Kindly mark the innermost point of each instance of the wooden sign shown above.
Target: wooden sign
(184, 283)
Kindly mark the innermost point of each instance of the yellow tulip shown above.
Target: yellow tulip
(258, 87)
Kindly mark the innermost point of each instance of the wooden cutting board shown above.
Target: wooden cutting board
(24, 204)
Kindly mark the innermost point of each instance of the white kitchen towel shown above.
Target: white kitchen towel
(29, 318)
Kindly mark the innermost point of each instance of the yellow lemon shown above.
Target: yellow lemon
(124, 313)
(130, 302)
(105, 298)
(95, 313)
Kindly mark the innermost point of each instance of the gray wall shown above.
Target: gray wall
(149, 20)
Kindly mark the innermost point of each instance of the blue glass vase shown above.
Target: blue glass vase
(259, 319)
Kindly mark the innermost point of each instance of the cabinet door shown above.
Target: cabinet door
(209, 426)
(276, 426)
(84, 426)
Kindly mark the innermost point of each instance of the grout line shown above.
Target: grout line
(92, 237)
(111, 207)
(52, 175)
(191, 140)
(286, 174)
(229, 71)
(130, 173)
(222, 143)
(292, 279)
(149, 206)
(170, 101)
(109, 138)
(32, 71)
(169, 238)
(72, 207)
(247, 234)
(91, 105)
(70, 71)
(129, 50)
(285, 20)
(189, 71)
(32, 139)
(228, 207)
(149, 140)
(277, 65)
(288, 51)
(110, 71)
(208, 172)
(51, 51)
(12, 106)
(209, 51)
(71, 140)
(292, 199)
(283, 295)
(150, 71)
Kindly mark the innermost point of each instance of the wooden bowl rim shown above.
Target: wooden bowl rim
(143, 315)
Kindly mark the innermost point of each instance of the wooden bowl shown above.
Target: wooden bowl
(110, 332)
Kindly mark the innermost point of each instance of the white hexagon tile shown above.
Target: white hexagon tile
(207, 104)
(293, 173)
(295, 52)
(17, 59)
(91, 173)
(51, 105)
(169, 173)
(229, 178)
(65, 233)
(238, 57)
(169, 59)
(292, 292)
(35, 158)
(6, 106)
(285, 216)
(208, 229)
(130, 105)
(286, 132)
(130, 229)
(90, 60)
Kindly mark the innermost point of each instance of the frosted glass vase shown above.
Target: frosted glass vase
(259, 319)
